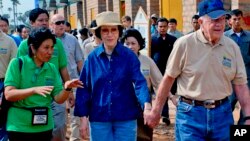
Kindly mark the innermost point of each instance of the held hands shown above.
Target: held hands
(152, 118)
(74, 83)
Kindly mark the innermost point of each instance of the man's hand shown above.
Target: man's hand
(84, 127)
(174, 98)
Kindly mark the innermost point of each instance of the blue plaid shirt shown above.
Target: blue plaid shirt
(114, 89)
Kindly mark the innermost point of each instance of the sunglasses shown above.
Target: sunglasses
(60, 22)
(107, 31)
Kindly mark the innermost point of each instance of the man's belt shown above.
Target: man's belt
(207, 103)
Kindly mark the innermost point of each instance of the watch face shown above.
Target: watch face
(68, 89)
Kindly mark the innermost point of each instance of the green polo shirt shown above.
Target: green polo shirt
(20, 119)
(58, 58)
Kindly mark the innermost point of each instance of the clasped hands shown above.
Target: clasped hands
(151, 117)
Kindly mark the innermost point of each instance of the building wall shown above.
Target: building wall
(243, 5)
(102, 6)
(109, 4)
(132, 7)
(189, 9)
(173, 9)
(116, 7)
(76, 15)
(80, 13)
(60, 11)
(93, 7)
(84, 12)
(153, 7)
(91, 4)
(73, 15)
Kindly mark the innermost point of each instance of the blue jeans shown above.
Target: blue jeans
(197, 123)
(113, 131)
(3, 133)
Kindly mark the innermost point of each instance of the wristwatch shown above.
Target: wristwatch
(68, 89)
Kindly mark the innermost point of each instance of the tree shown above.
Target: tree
(10, 9)
(1, 6)
(25, 18)
(15, 3)
(6, 16)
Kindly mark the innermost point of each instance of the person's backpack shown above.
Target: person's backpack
(4, 107)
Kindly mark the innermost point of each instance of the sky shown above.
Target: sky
(24, 6)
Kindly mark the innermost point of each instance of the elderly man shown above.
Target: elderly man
(206, 64)
(74, 59)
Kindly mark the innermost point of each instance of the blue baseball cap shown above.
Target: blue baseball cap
(213, 8)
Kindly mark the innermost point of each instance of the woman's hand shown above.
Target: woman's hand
(84, 127)
(42, 90)
(74, 83)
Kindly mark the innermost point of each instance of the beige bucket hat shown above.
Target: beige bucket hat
(107, 18)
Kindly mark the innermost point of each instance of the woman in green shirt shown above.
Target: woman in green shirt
(32, 89)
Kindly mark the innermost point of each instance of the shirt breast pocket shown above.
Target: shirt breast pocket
(49, 81)
(228, 68)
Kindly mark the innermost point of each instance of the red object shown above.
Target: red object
(247, 20)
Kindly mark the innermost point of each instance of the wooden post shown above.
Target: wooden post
(149, 37)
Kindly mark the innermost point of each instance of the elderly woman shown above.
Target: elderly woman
(115, 92)
(132, 38)
(31, 86)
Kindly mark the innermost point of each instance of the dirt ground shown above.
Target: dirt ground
(166, 133)
(163, 132)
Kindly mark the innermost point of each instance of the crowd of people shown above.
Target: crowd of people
(99, 77)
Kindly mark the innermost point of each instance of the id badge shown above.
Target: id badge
(40, 116)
